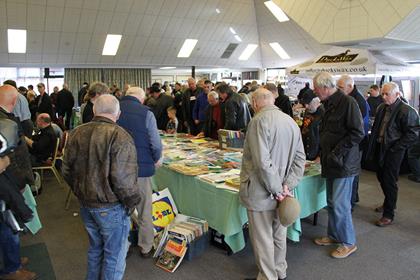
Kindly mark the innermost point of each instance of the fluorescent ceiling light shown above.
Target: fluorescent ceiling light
(238, 38)
(167, 68)
(16, 40)
(232, 30)
(249, 50)
(111, 45)
(279, 50)
(276, 11)
(187, 48)
(218, 11)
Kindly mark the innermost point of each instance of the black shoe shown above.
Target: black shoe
(148, 254)
(414, 178)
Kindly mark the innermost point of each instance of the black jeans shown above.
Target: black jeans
(388, 177)
(67, 114)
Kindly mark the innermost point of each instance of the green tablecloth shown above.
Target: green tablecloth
(221, 208)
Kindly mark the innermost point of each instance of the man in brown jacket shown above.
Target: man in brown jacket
(100, 165)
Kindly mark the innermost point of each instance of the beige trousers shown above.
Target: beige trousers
(268, 238)
(144, 210)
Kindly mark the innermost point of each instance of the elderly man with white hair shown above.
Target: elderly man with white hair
(395, 129)
(273, 163)
(341, 131)
(140, 122)
(100, 166)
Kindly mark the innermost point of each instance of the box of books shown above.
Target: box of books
(197, 247)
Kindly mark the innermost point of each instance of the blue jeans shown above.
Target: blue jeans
(340, 224)
(10, 249)
(108, 229)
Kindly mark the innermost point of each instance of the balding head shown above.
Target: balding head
(261, 98)
(192, 84)
(136, 92)
(43, 120)
(8, 97)
(65, 86)
(273, 89)
(107, 106)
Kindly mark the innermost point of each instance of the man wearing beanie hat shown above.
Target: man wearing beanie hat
(273, 163)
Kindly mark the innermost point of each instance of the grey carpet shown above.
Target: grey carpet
(384, 253)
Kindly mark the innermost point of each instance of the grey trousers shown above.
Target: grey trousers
(268, 238)
(144, 210)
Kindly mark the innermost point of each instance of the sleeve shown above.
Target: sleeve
(266, 171)
(297, 167)
(196, 108)
(410, 131)
(123, 170)
(154, 138)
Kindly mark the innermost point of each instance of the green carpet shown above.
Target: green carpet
(39, 261)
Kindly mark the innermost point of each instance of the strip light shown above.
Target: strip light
(238, 38)
(249, 50)
(16, 40)
(232, 30)
(187, 48)
(167, 68)
(111, 45)
(279, 50)
(276, 11)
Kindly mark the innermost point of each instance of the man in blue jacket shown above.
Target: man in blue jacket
(140, 122)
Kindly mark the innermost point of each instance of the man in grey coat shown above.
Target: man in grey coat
(273, 163)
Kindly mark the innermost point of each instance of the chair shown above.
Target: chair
(61, 150)
(50, 164)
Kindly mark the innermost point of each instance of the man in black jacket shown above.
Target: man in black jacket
(44, 101)
(65, 103)
(235, 109)
(395, 129)
(341, 131)
(163, 102)
(310, 127)
(95, 90)
(281, 100)
(188, 101)
(12, 180)
(42, 145)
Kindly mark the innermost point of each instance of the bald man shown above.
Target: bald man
(42, 145)
(20, 171)
(100, 166)
(273, 164)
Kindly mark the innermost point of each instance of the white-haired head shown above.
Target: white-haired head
(107, 106)
(261, 98)
(136, 92)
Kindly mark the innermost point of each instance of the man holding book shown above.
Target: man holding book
(273, 163)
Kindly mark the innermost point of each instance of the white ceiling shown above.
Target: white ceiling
(71, 33)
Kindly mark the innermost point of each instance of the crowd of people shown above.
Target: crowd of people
(110, 159)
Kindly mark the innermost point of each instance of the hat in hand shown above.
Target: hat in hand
(288, 211)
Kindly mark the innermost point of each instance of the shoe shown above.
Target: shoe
(383, 222)
(148, 254)
(21, 274)
(325, 241)
(24, 261)
(413, 178)
(343, 251)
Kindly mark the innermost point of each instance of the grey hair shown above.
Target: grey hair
(137, 91)
(98, 88)
(324, 79)
(191, 79)
(348, 81)
(106, 104)
(214, 94)
(394, 87)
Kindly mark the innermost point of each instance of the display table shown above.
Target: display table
(221, 208)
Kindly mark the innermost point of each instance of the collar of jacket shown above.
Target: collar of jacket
(393, 105)
(268, 108)
(334, 99)
(102, 119)
(131, 98)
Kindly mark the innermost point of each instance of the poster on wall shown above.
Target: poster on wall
(295, 84)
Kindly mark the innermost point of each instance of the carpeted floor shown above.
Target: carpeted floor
(384, 253)
(39, 260)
